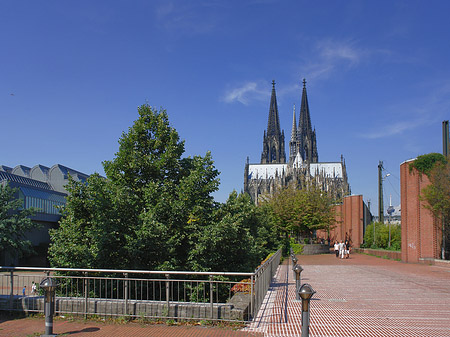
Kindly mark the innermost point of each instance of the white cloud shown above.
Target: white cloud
(332, 54)
(396, 128)
(245, 93)
(187, 19)
(431, 109)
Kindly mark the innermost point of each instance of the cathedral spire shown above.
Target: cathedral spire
(293, 147)
(273, 143)
(307, 137)
(273, 125)
(305, 118)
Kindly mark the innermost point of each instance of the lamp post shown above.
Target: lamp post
(390, 210)
(298, 271)
(294, 260)
(49, 285)
(305, 292)
(380, 197)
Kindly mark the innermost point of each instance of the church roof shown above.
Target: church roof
(269, 171)
(329, 170)
(265, 171)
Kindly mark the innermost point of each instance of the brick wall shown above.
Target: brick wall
(420, 231)
(349, 220)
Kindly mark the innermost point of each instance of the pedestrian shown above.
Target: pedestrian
(341, 249)
(347, 249)
(33, 288)
(336, 248)
(24, 290)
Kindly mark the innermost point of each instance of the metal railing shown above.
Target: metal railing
(141, 294)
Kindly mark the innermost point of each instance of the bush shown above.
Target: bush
(296, 247)
(382, 236)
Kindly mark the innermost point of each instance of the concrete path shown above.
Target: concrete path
(360, 296)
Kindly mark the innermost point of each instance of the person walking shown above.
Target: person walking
(347, 249)
(33, 288)
(24, 290)
(336, 248)
(341, 249)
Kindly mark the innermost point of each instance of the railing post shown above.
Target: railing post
(11, 293)
(125, 295)
(86, 295)
(168, 293)
(252, 296)
(211, 296)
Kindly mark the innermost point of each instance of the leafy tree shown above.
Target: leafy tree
(301, 211)
(149, 211)
(15, 222)
(437, 198)
(237, 240)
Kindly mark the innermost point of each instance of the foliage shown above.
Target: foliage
(425, 163)
(382, 236)
(437, 197)
(296, 247)
(236, 241)
(149, 211)
(15, 223)
(155, 211)
(302, 211)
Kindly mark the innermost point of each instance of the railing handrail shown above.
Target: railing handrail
(122, 271)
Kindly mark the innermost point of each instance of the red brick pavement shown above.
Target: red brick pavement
(35, 326)
(360, 296)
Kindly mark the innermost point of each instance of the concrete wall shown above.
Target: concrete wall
(114, 307)
(420, 231)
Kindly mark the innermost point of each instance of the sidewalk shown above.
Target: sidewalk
(360, 296)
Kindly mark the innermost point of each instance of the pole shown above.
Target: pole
(380, 192)
(445, 152)
(305, 320)
(48, 314)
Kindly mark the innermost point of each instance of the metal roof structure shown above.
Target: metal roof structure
(9, 177)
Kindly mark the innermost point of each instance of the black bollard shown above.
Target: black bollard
(305, 292)
(297, 270)
(49, 285)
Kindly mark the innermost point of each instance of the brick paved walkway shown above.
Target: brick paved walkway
(361, 296)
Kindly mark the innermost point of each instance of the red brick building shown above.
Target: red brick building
(420, 230)
(352, 217)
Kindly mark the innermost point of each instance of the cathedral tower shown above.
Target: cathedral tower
(307, 137)
(273, 141)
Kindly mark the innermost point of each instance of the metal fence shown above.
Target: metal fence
(141, 294)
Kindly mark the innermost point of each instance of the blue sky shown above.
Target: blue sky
(72, 74)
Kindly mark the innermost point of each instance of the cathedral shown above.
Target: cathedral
(303, 167)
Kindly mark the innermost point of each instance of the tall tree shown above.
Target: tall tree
(148, 211)
(15, 223)
(302, 211)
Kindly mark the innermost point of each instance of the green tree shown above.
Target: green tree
(150, 209)
(237, 240)
(302, 212)
(382, 236)
(15, 223)
(437, 200)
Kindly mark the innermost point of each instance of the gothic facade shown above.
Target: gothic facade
(303, 167)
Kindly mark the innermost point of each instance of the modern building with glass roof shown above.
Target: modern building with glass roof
(41, 188)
